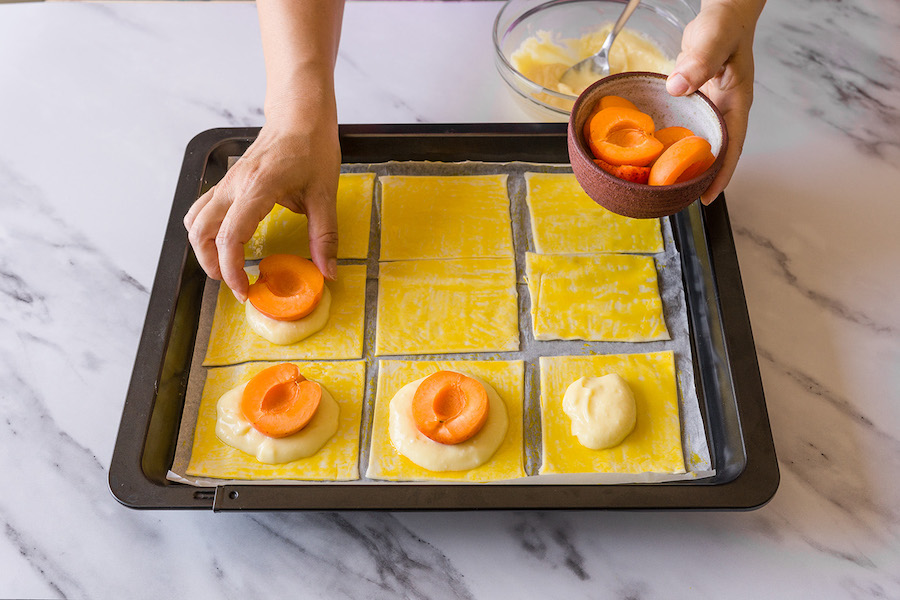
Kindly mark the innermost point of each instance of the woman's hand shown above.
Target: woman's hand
(296, 167)
(717, 58)
(295, 161)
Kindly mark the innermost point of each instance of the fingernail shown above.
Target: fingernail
(677, 85)
(331, 268)
(239, 296)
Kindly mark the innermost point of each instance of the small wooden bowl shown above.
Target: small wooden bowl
(648, 92)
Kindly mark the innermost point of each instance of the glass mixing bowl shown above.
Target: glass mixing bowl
(661, 21)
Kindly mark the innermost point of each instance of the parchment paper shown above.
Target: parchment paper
(668, 266)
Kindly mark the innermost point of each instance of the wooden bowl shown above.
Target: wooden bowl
(648, 92)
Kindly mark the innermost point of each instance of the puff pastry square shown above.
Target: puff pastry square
(445, 217)
(441, 306)
(232, 341)
(564, 220)
(600, 297)
(655, 444)
(338, 460)
(285, 232)
(506, 377)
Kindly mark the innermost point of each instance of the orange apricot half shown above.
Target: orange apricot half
(289, 287)
(670, 135)
(678, 158)
(609, 101)
(626, 172)
(628, 146)
(607, 121)
(279, 401)
(449, 407)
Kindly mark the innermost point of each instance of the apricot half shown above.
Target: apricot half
(449, 407)
(279, 401)
(289, 287)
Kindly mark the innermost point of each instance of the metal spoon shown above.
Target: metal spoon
(585, 72)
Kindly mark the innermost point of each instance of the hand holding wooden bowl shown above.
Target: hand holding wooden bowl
(648, 92)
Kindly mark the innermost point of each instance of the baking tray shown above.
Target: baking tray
(725, 364)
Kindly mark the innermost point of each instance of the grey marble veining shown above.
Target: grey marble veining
(820, 298)
(840, 62)
(67, 314)
(245, 116)
(94, 127)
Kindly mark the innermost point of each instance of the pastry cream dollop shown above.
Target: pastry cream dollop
(233, 428)
(544, 58)
(289, 332)
(602, 410)
(434, 456)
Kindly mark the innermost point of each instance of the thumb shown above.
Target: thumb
(323, 235)
(707, 44)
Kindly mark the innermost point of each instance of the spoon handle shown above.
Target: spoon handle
(620, 24)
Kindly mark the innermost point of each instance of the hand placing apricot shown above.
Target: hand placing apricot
(295, 167)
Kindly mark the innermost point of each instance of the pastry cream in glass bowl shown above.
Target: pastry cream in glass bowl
(535, 41)
(544, 58)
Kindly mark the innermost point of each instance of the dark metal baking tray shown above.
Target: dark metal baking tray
(728, 384)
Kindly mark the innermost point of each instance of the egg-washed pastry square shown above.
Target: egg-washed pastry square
(654, 446)
(447, 306)
(232, 341)
(595, 297)
(285, 232)
(564, 220)
(506, 377)
(445, 217)
(337, 460)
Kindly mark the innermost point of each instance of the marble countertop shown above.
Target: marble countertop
(97, 103)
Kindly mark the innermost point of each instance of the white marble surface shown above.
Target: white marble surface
(97, 102)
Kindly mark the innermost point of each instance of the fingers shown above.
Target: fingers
(296, 169)
(196, 207)
(719, 182)
(236, 230)
(717, 57)
(218, 227)
(707, 44)
(732, 93)
(736, 123)
(323, 235)
(203, 221)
